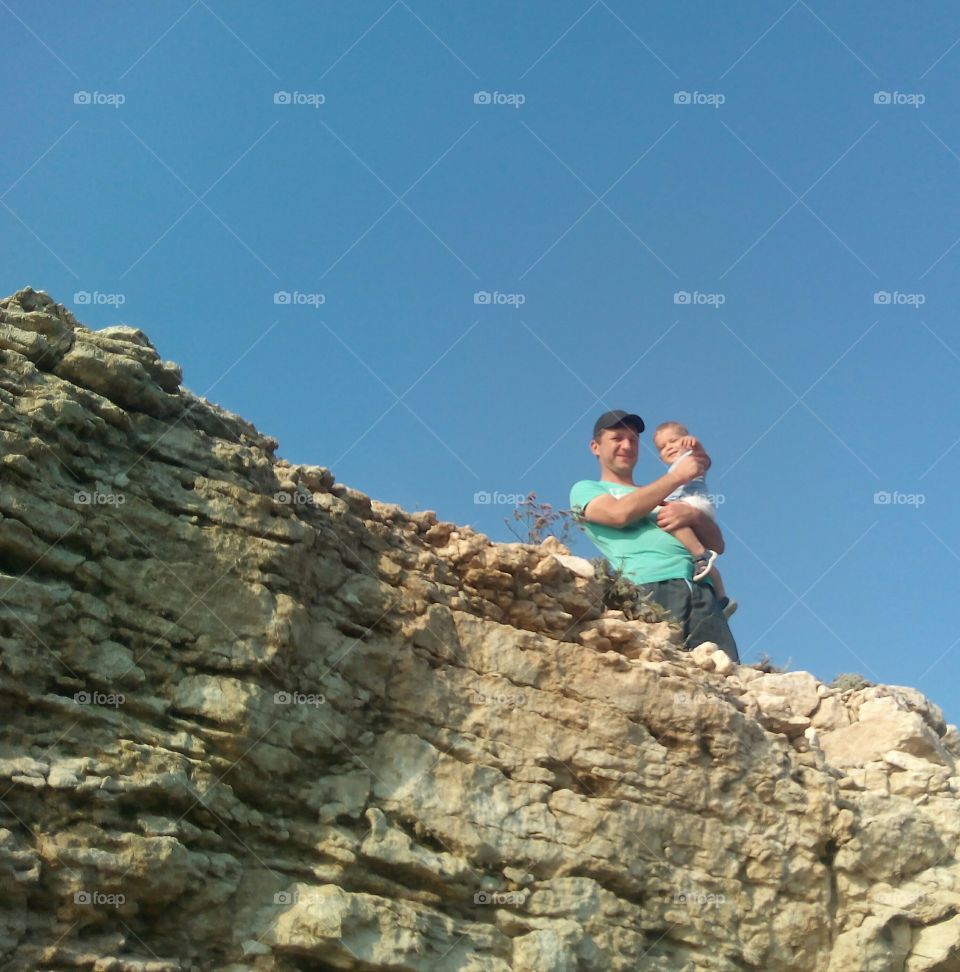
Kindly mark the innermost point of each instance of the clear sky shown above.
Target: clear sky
(744, 217)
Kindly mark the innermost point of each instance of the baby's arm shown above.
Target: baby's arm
(692, 444)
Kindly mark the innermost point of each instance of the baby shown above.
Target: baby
(673, 441)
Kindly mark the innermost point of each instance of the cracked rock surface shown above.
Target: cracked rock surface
(255, 720)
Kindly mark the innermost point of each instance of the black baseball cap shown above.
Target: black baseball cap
(618, 417)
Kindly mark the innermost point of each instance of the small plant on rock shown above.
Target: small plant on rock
(541, 520)
(849, 682)
(621, 594)
(767, 665)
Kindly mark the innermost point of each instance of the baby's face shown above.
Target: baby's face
(668, 444)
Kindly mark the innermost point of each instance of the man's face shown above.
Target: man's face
(617, 449)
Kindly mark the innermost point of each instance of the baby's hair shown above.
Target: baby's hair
(663, 426)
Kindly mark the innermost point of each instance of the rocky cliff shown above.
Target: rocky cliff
(254, 720)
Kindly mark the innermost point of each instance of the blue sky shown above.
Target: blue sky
(746, 221)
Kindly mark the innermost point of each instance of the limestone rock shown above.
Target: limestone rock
(703, 655)
(831, 714)
(35, 326)
(786, 700)
(935, 947)
(579, 565)
(722, 662)
(884, 724)
(254, 719)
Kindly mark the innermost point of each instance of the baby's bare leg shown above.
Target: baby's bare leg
(717, 581)
(689, 539)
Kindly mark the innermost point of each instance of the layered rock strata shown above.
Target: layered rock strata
(255, 720)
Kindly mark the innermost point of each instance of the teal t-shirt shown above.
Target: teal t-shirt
(643, 551)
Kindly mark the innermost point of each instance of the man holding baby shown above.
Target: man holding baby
(666, 546)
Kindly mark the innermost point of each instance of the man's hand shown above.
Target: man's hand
(672, 516)
(690, 467)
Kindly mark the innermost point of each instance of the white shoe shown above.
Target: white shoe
(703, 564)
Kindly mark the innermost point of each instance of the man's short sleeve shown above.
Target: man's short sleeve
(583, 492)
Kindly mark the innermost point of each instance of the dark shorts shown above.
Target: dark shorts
(695, 606)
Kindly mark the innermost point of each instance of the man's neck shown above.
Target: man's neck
(609, 477)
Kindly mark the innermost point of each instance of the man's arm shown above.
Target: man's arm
(610, 511)
(675, 515)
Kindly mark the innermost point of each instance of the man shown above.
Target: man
(616, 514)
